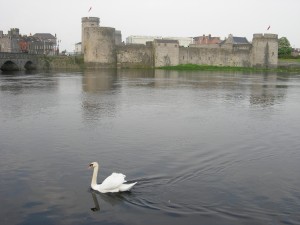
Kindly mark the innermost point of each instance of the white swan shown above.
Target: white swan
(113, 183)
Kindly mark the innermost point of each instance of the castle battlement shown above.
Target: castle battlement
(266, 35)
(90, 19)
(258, 35)
(275, 36)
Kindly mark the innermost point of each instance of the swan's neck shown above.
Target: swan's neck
(94, 177)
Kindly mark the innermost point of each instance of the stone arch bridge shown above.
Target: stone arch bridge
(18, 61)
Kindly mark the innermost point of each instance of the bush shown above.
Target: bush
(284, 48)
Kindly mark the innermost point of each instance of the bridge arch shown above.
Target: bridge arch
(9, 66)
(29, 65)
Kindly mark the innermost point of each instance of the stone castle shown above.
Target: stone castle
(103, 47)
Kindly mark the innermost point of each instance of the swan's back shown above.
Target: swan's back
(114, 181)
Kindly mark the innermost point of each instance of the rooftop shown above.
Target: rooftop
(166, 41)
(235, 40)
(44, 36)
(240, 40)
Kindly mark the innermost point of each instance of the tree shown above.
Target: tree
(284, 47)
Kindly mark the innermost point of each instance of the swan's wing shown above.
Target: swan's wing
(113, 181)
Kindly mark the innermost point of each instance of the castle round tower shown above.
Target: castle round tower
(265, 50)
(99, 46)
(88, 22)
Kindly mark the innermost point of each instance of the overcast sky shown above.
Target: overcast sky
(187, 18)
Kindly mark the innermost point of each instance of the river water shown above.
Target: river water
(204, 147)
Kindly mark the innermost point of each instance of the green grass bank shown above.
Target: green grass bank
(283, 67)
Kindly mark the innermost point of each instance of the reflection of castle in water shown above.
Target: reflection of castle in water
(99, 80)
(99, 98)
(103, 89)
(266, 91)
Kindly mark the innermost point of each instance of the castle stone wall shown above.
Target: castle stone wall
(214, 56)
(166, 53)
(5, 44)
(135, 56)
(99, 47)
(9, 44)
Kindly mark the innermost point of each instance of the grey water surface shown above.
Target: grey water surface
(204, 147)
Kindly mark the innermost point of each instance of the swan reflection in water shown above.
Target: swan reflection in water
(97, 207)
(110, 198)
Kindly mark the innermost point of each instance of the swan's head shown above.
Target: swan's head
(93, 165)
